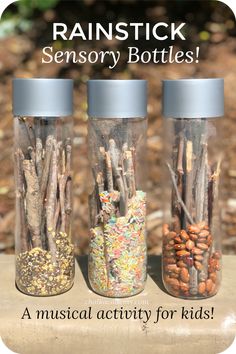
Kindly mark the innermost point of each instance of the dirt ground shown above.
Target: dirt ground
(20, 56)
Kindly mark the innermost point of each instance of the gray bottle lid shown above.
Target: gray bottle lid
(42, 97)
(193, 98)
(117, 98)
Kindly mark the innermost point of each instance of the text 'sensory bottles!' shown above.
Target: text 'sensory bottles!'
(117, 140)
(43, 126)
(191, 233)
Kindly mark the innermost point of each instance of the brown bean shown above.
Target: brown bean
(201, 225)
(181, 264)
(189, 245)
(169, 260)
(169, 253)
(171, 235)
(165, 229)
(202, 246)
(184, 235)
(213, 277)
(196, 250)
(189, 261)
(173, 275)
(213, 290)
(209, 284)
(178, 239)
(174, 283)
(169, 247)
(198, 257)
(184, 275)
(217, 265)
(202, 287)
(194, 229)
(214, 264)
(202, 240)
(198, 265)
(183, 286)
(203, 233)
(193, 237)
(209, 240)
(182, 253)
(216, 255)
(172, 268)
(179, 246)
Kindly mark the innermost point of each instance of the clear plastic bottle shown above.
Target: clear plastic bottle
(191, 230)
(43, 132)
(117, 141)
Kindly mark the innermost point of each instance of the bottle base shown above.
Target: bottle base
(44, 294)
(116, 294)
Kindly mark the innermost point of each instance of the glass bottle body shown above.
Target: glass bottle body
(43, 178)
(191, 260)
(117, 203)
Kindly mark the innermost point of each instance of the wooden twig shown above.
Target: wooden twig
(189, 176)
(109, 172)
(200, 183)
(51, 200)
(129, 173)
(46, 168)
(33, 205)
(114, 153)
(20, 194)
(172, 174)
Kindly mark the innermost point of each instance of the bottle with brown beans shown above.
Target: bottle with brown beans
(191, 259)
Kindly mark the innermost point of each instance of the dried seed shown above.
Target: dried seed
(213, 277)
(196, 250)
(174, 275)
(183, 286)
(184, 235)
(188, 261)
(181, 264)
(202, 225)
(202, 287)
(198, 257)
(198, 265)
(169, 254)
(174, 283)
(184, 275)
(194, 229)
(209, 240)
(178, 240)
(169, 247)
(171, 242)
(169, 260)
(202, 240)
(190, 244)
(179, 246)
(213, 290)
(216, 255)
(202, 246)
(182, 253)
(209, 284)
(193, 237)
(172, 268)
(171, 235)
(165, 229)
(203, 233)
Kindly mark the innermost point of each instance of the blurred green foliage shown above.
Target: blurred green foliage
(26, 7)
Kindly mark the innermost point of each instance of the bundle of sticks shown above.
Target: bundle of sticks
(114, 173)
(43, 184)
(189, 239)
